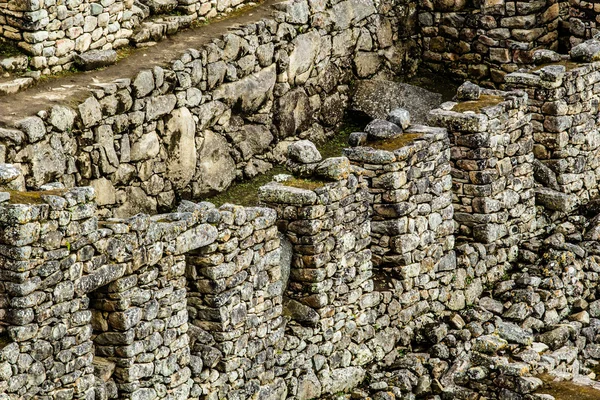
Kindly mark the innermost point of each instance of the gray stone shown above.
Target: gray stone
(249, 93)
(543, 56)
(181, 147)
(300, 313)
(400, 117)
(90, 112)
(468, 91)
(333, 168)
(62, 118)
(379, 129)
(33, 127)
(301, 60)
(146, 147)
(95, 59)
(304, 151)
(293, 113)
(143, 84)
(378, 98)
(588, 51)
(556, 201)
(216, 169)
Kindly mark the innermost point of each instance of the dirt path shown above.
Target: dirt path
(66, 89)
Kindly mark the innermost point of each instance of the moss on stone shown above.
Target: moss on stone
(395, 143)
(567, 390)
(17, 197)
(307, 184)
(484, 101)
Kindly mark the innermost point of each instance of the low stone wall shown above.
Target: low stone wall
(223, 112)
(485, 42)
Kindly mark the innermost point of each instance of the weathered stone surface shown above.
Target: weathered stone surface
(292, 113)
(181, 149)
(302, 58)
(136, 201)
(468, 91)
(48, 161)
(378, 98)
(105, 191)
(249, 93)
(379, 129)
(95, 59)
(33, 127)
(216, 168)
(301, 313)
(146, 147)
(555, 200)
(304, 151)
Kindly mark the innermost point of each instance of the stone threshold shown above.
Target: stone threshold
(72, 88)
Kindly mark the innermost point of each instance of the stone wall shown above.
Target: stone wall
(332, 303)
(583, 20)
(485, 42)
(53, 32)
(223, 112)
(235, 288)
(564, 108)
(492, 172)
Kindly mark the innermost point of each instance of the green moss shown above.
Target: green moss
(301, 183)
(567, 390)
(395, 143)
(484, 101)
(17, 197)
(246, 193)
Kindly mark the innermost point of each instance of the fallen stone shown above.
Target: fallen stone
(377, 99)
(300, 313)
(468, 91)
(95, 59)
(304, 151)
(379, 129)
(400, 117)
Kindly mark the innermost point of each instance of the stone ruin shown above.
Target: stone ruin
(457, 259)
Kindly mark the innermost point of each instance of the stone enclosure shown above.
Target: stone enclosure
(453, 260)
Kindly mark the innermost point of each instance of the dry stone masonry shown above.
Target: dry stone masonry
(454, 260)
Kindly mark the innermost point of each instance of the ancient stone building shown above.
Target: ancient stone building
(456, 259)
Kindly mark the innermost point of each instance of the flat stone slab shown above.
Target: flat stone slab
(378, 98)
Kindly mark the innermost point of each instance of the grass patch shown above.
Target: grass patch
(302, 183)
(332, 147)
(395, 143)
(484, 101)
(246, 193)
(17, 197)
